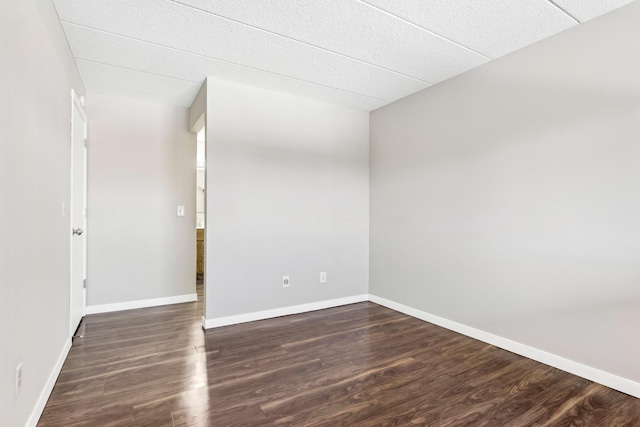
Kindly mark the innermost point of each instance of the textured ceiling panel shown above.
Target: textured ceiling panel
(121, 78)
(360, 54)
(98, 46)
(491, 27)
(174, 25)
(584, 10)
(353, 29)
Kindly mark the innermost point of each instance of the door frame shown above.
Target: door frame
(77, 103)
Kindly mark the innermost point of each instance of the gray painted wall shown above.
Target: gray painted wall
(141, 167)
(36, 78)
(508, 198)
(197, 109)
(287, 193)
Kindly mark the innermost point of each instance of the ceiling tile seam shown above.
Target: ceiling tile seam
(229, 62)
(304, 43)
(137, 91)
(563, 10)
(137, 71)
(406, 21)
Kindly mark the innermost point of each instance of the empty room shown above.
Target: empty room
(319, 213)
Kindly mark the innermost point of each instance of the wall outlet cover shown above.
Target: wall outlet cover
(323, 277)
(285, 281)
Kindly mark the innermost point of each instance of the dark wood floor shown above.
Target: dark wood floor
(356, 365)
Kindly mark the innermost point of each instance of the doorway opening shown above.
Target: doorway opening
(200, 213)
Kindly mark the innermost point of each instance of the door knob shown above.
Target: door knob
(77, 231)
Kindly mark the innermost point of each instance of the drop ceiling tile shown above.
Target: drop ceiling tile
(181, 27)
(353, 29)
(110, 76)
(491, 27)
(358, 53)
(99, 46)
(584, 10)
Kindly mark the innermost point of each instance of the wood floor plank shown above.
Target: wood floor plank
(356, 365)
(238, 416)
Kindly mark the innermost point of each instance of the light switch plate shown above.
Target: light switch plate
(180, 210)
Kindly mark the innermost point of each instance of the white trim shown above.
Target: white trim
(76, 101)
(48, 387)
(605, 378)
(76, 104)
(283, 311)
(129, 305)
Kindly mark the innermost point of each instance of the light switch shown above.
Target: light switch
(180, 210)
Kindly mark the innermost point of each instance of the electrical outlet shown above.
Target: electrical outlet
(323, 277)
(18, 378)
(285, 281)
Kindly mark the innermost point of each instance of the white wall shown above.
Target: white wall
(141, 167)
(508, 198)
(37, 73)
(287, 193)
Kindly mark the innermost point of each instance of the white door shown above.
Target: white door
(78, 210)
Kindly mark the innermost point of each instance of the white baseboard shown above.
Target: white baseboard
(592, 374)
(277, 312)
(48, 387)
(129, 305)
